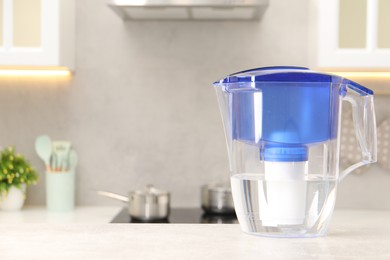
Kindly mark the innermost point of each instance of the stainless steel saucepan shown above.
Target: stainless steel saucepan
(146, 205)
(217, 198)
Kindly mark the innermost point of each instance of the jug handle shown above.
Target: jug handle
(363, 114)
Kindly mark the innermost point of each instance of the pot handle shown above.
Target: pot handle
(113, 196)
(363, 114)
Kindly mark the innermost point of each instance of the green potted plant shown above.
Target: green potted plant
(15, 174)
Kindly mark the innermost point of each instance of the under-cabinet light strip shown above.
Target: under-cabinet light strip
(34, 72)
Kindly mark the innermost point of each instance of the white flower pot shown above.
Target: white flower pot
(14, 199)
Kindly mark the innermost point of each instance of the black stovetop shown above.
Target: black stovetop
(181, 215)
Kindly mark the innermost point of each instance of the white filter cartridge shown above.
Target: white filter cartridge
(284, 188)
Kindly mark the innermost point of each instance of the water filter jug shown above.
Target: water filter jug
(282, 126)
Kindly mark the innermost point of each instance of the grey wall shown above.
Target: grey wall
(140, 107)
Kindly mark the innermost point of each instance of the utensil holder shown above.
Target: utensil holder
(60, 190)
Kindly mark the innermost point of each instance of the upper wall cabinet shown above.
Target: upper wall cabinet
(351, 34)
(37, 33)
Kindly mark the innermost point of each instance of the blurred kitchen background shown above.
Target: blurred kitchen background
(140, 108)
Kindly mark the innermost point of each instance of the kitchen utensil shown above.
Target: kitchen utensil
(217, 199)
(146, 205)
(43, 147)
(113, 196)
(54, 162)
(61, 150)
(283, 135)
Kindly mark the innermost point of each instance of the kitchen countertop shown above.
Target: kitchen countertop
(352, 235)
(39, 214)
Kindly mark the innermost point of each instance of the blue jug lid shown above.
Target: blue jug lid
(287, 74)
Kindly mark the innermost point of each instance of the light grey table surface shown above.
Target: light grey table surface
(352, 235)
(40, 215)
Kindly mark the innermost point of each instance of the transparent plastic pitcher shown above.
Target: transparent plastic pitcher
(282, 127)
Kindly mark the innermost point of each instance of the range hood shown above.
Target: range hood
(189, 9)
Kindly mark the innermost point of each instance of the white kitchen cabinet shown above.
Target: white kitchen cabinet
(37, 33)
(350, 34)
